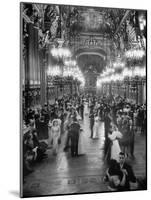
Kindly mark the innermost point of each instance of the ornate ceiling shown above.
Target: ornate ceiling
(96, 62)
(94, 35)
(96, 20)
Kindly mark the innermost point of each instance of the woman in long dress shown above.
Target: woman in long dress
(49, 134)
(81, 142)
(127, 134)
(86, 108)
(135, 121)
(96, 127)
(55, 133)
(115, 147)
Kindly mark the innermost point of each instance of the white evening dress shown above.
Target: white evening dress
(81, 143)
(49, 135)
(115, 148)
(55, 130)
(86, 108)
(96, 128)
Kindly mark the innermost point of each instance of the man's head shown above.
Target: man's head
(121, 158)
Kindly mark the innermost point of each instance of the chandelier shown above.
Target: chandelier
(61, 53)
(118, 64)
(135, 54)
(70, 63)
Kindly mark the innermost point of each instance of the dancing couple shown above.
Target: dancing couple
(112, 147)
(120, 175)
(75, 136)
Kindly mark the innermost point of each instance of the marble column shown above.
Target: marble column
(127, 91)
(140, 93)
(71, 88)
(144, 92)
(27, 75)
(43, 81)
(29, 64)
(31, 53)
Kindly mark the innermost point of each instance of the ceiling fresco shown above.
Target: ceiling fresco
(97, 20)
(96, 62)
(94, 35)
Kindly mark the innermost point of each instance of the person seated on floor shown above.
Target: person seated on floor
(115, 177)
(28, 155)
(40, 148)
(130, 176)
(33, 149)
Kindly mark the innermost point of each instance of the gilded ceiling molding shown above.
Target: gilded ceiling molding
(26, 18)
(91, 53)
(122, 21)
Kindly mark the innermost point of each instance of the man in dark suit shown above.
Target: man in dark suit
(130, 177)
(107, 126)
(91, 116)
(82, 109)
(74, 133)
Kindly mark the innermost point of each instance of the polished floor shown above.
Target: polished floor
(66, 175)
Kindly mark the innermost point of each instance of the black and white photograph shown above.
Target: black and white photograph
(83, 99)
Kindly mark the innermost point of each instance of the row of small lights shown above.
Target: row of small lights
(135, 54)
(60, 52)
(70, 67)
(107, 76)
(141, 72)
(110, 73)
(111, 70)
(75, 72)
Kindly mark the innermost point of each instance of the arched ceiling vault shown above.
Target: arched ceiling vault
(89, 59)
(94, 35)
(91, 62)
(91, 51)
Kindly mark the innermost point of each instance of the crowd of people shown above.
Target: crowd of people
(44, 127)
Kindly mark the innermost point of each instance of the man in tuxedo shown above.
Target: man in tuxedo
(74, 133)
(91, 116)
(82, 109)
(127, 169)
(107, 126)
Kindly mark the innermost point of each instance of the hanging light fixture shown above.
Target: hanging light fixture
(54, 71)
(118, 64)
(70, 62)
(127, 73)
(141, 72)
(136, 54)
(142, 21)
(61, 53)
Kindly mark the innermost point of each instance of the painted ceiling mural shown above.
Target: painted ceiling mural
(102, 21)
(99, 35)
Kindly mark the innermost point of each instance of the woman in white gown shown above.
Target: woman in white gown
(86, 108)
(55, 134)
(49, 134)
(82, 140)
(96, 127)
(115, 147)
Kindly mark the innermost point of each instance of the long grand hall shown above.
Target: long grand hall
(83, 99)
